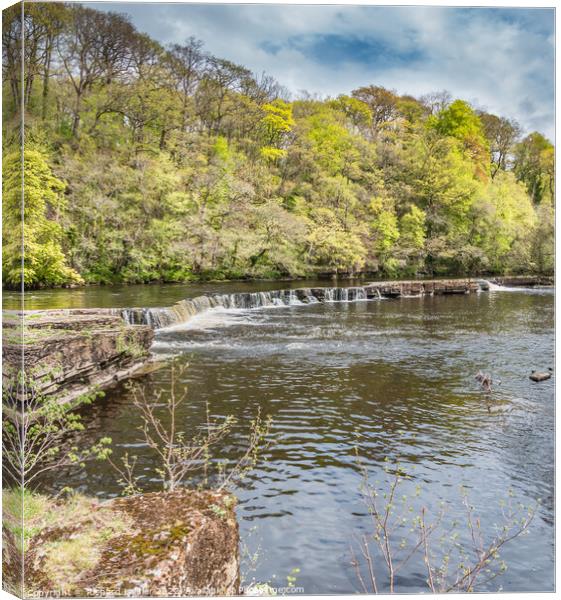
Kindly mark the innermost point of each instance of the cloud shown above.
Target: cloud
(499, 59)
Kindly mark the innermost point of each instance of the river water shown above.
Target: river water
(386, 380)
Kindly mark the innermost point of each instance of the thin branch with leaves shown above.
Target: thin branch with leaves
(458, 560)
(179, 457)
(37, 432)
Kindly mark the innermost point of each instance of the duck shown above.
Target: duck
(484, 380)
(541, 375)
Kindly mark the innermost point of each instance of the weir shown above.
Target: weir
(184, 310)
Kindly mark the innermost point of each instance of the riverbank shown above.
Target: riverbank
(165, 294)
(157, 544)
(320, 276)
(69, 355)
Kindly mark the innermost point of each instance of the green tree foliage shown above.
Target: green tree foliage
(412, 239)
(333, 247)
(534, 166)
(39, 236)
(383, 105)
(543, 240)
(170, 164)
(460, 121)
(504, 221)
(357, 111)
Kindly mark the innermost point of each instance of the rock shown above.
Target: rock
(68, 353)
(179, 543)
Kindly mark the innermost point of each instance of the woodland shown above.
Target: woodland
(144, 163)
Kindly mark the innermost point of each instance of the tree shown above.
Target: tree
(501, 134)
(543, 239)
(411, 109)
(52, 18)
(455, 557)
(385, 233)
(534, 166)
(356, 111)
(504, 221)
(412, 237)
(383, 105)
(330, 246)
(436, 102)
(180, 458)
(36, 231)
(93, 47)
(221, 79)
(444, 188)
(276, 123)
(187, 65)
(334, 147)
(36, 431)
(24, 35)
(182, 165)
(460, 121)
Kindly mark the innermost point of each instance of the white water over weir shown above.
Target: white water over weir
(184, 310)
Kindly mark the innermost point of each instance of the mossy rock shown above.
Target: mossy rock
(158, 544)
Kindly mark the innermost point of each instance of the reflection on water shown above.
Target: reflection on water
(393, 379)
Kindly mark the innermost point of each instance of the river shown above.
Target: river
(387, 380)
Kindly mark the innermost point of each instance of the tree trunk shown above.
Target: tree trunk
(15, 91)
(46, 75)
(76, 121)
(163, 139)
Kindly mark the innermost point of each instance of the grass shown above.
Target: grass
(66, 556)
(24, 512)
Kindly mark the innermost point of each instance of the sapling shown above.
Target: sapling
(457, 557)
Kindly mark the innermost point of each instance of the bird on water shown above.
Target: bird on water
(485, 381)
(541, 375)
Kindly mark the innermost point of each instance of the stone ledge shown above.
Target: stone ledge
(524, 280)
(68, 355)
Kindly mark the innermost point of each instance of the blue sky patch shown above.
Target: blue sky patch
(336, 50)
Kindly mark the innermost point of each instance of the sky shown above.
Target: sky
(499, 59)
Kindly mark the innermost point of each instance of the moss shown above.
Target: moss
(152, 542)
(32, 335)
(63, 538)
(33, 513)
(67, 558)
(127, 343)
(218, 510)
